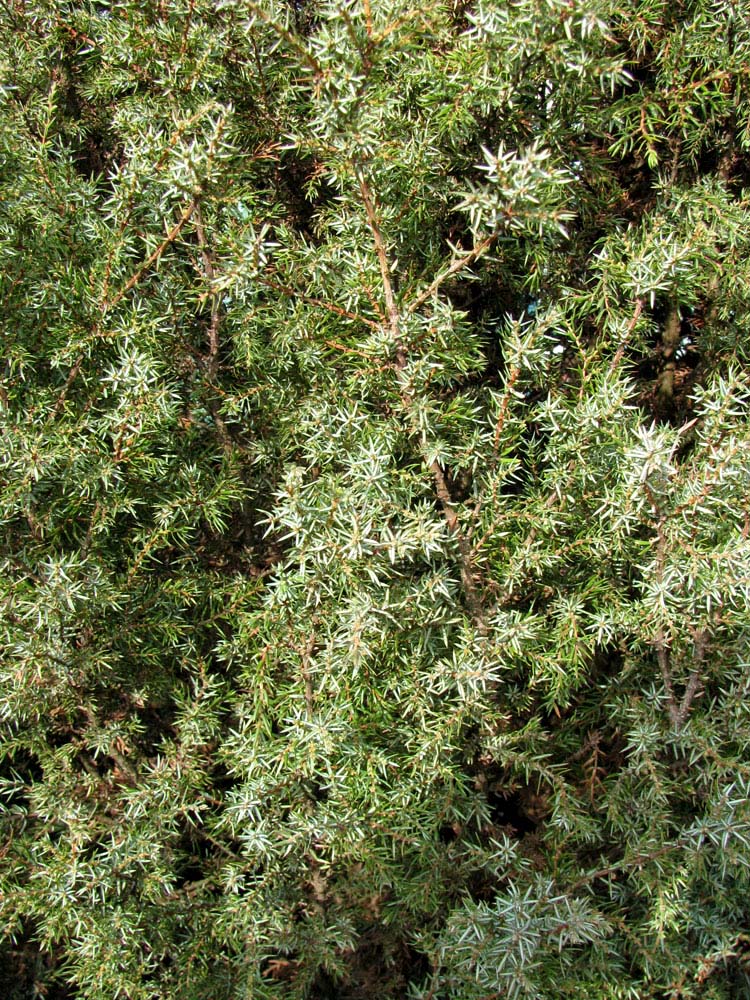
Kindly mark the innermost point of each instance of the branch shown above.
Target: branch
(305, 655)
(694, 681)
(385, 271)
(208, 266)
(628, 331)
(307, 57)
(670, 340)
(72, 376)
(311, 300)
(211, 362)
(455, 267)
(176, 229)
(368, 17)
(153, 257)
(678, 712)
(473, 599)
(662, 655)
(637, 862)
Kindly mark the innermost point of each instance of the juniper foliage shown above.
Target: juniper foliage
(375, 534)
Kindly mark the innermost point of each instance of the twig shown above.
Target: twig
(455, 267)
(385, 271)
(212, 363)
(628, 331)
(355, 41)
(678, 712)
(307, 57)
(336, 346)
(154, 256)
(662, 655)
(638, 861)
(176, 229)
(694, 681)
(311, 300)
(670, 340)
(72, 376)
(305, 655)
(473, 599)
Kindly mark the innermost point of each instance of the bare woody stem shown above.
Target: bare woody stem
(663, 658)
(312, 300)
(670, 340)
(294, 43)
(468, 580)
(212, 362)
(305, 656)
(385, 269)
(458, 265)
(678, 710)
(628, 332)
(154, 256)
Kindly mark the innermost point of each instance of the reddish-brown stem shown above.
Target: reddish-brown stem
(628, 331)
(154, 256)
(212, 362)
(471, 593)
(458, 265)
(311, 300)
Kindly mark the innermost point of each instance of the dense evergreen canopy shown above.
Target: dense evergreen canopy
(375, 534)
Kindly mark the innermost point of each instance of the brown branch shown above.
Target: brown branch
(355, 41)
(670, 340)
(471, 593)
(628, 331)
(212, 362)
(307, 57)
(186, 28)
(473, 598)
(385, 271)
(176, 229)
(305, 655)
(694, 681)
(336, 346)
(663, 658)
(311, 300)
(678, 712)
(72, 376)
(154, 256)
(502, 415)
(455, 267)
(637, 862)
